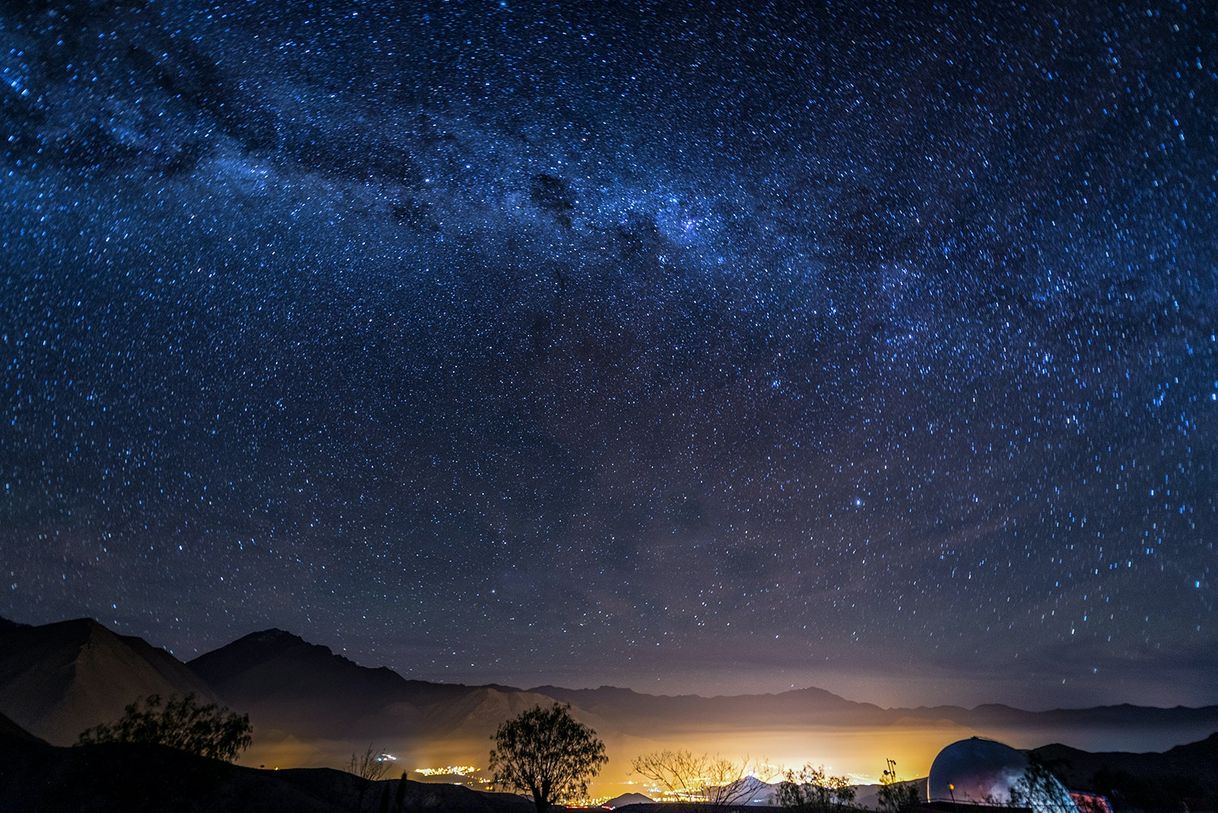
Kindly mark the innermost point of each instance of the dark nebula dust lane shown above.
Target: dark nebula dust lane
(679, 346)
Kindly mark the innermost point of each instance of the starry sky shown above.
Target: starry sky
(681, 346)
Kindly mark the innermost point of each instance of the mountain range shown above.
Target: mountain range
(310, 706)
(280, 678)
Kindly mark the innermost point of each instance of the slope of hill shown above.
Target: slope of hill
(122, 778)
(289, 685)
(13, 731)
(1187, 774)
(58, 679)
(279, 678)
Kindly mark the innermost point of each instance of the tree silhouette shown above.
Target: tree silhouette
(812, 790)
(179, 722)
(1040, 788)
(545, 752)
(369, 766)
(705, 780)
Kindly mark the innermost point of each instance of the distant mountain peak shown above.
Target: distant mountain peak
(271, 636)
(275, 644)
(73, 633)
(277, 660)
(627, 799)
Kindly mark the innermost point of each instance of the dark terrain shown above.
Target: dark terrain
(125, 778)
(1184, 777)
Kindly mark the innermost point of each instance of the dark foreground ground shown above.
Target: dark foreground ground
(1184, 778)
(120, 778)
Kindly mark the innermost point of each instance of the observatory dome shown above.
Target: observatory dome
(977, 771)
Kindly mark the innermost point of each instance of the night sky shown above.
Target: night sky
(687, 347)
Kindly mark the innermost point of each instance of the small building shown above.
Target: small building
(983, 773)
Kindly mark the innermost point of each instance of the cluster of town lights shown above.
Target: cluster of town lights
(448, 770)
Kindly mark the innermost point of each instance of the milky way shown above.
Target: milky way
(685, 347)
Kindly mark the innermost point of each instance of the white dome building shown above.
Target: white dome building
(985, 772)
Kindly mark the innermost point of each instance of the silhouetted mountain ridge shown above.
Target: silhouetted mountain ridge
(640, 712)
(307, 690)
(304, 689)
(58, 679)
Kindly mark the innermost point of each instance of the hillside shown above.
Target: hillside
(11, 730)
(122, 778)
(58, 679)
(1187, 774)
